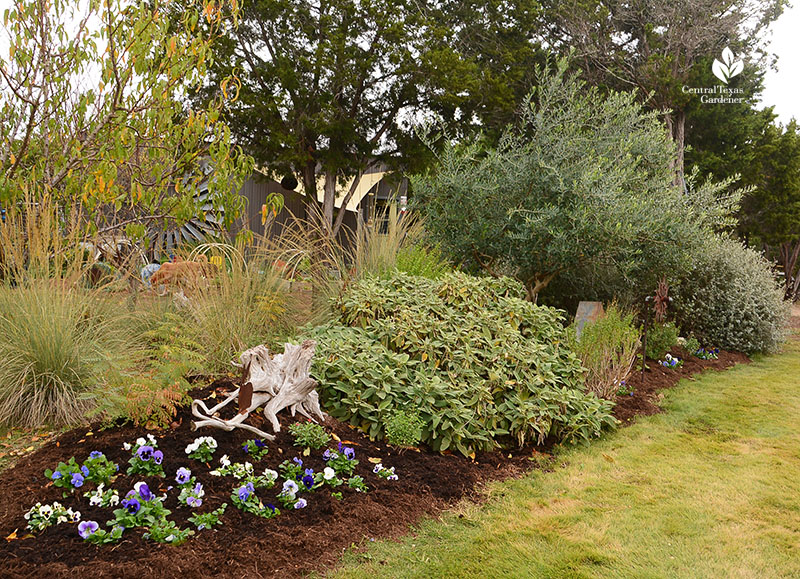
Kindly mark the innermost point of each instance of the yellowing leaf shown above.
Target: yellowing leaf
(374, 460)
(424, 356)
(336, 438)
(13, 159)
(306, 452)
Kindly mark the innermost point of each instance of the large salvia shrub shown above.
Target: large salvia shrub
(481, 365)
(731, 299)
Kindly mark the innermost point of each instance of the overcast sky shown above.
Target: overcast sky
(782, 88)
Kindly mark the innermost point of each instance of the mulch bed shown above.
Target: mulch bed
(647, 394)
(295, 543)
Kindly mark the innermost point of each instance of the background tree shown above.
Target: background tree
(331, 85)
(770, 217)
(585, 183)
(653, 45)
(92, 112)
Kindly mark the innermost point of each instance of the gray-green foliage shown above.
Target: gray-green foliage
(585, 183)
(731, 299)
(481, 365)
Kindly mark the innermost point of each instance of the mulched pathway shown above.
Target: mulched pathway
(291, 545)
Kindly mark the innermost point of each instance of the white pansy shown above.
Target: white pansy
(270, 474)
(328, 473)
(114, 501)
(225, 461)
(126, 446)
(95, 501)
(152, 439)
(140, 441)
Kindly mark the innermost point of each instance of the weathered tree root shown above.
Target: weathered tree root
(277, 382)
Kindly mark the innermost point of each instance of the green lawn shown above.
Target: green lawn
(711, 488)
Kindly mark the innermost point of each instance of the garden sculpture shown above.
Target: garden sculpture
(276, 382)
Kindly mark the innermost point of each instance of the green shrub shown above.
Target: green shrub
(660, 338)
(404, 428)
(479, 364)
(732, 300)
(59, 346)
(691, 344)
(309, 435)
(422, 261)
(607, 349)
(152, 396)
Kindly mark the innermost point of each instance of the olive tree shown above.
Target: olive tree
(583, 183)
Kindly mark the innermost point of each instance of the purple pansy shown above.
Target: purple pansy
(145, 452)
(308, 480)
(349, 453)
(301, 504)
(132, 505)
(144, 491)
(158, 456)
(183, 475)
(95, 454)
(77, 480)
(85, 471)
(87, 528)
(56, 475)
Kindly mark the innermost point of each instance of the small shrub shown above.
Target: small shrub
(690, 344)
(404, 428)
(480, 365)
(152, 397)
(660, 338)
(309, 435)
(422, 261)
(731, 299)
(607, 349)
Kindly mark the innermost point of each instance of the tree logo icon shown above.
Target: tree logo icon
(728, 68)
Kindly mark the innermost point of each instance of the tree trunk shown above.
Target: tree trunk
(676, 129)
(789, 254)
(329, 200)
(309, 185)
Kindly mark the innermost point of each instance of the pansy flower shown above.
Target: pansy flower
(183, 475)
(145, 452)
(77, 480)
(132, 505)
(95, 454)
(87, 528)
(85, 471)
(300, 504)
(158, 456)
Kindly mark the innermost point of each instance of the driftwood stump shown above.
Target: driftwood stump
(276, 382)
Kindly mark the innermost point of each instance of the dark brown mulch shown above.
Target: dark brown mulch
(647, 395)
(293, 544)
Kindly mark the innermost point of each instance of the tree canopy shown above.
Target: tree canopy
(93, 111)
(584, 182)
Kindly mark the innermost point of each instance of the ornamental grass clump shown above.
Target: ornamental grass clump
(483, 367)
(607, 348)
(60, 345)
